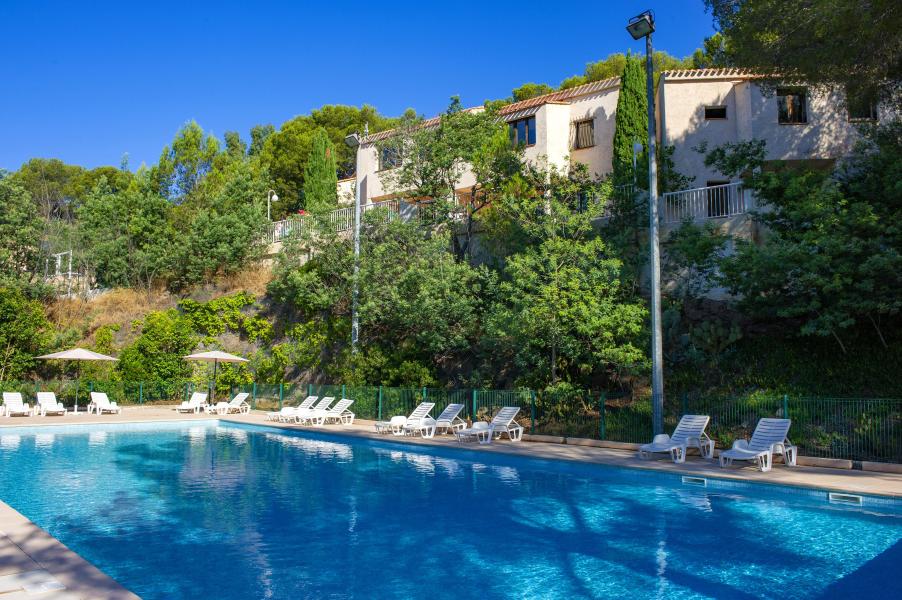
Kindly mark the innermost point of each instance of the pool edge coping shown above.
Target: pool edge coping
(79, 576)
(739, 475)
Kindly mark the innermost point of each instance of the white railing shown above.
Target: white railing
(700, 204)
(340, 220)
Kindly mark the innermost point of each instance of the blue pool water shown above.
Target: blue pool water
(206, 511)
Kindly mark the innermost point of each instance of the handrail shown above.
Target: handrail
(699, 204)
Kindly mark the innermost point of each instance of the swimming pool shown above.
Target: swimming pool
(202, 510)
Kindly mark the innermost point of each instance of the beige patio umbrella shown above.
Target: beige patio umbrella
(215, 357)
(78, 355)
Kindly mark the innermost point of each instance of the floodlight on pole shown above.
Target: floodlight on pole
(271, 197)
(642, 26)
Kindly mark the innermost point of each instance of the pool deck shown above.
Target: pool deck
(36, 566)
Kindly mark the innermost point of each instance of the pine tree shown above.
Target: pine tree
(630, 124)
(320, 175)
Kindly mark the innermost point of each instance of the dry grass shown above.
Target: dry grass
(122, 306)
(119, 306)
(252, 280)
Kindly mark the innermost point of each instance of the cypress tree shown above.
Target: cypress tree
(630, 124)
(320, 175)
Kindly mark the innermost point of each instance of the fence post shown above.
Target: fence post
(532, 428)
(473, 418)
(280, 394)
(254, 396)
(343, 396)
(424, 394)
(380, 403)
(140, 392)
(601, 420)
(309, 389)
(785, 406)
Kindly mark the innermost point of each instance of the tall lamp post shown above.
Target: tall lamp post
(642, 26)
(271, 197)
(353, 141)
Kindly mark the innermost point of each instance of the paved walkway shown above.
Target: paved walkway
(36, 566)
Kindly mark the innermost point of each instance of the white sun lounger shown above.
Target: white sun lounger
(450, 419)
(100, 404)
(502, 423)
(48, 405)
(301, 413)
(396, 427)
(235, 405)
(288, 411)
(14, 405)
(769, 438)
(427, 426)
(337, 414)
(196, 403)
(689, 433)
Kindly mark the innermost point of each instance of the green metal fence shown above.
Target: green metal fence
(860, 429)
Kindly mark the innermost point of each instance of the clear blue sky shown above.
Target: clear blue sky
(87, 82)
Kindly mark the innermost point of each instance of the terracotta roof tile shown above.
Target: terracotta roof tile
(724, 73)
(559, 97)
(563, 95)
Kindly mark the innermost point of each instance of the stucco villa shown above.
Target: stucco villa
(694, 108)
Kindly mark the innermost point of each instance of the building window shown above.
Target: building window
(714, 113)
(792, 106)
(584, 135)
(862, 104)
(523, 131)
(389, 158)
(718, 198)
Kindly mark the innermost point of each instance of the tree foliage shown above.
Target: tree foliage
(184, 164)
(561, 312)
(126, 236)
(320, 179)
(823, 41)
(157, 353)
(24, 333)
(286, 151)
(20, 236)
(833, 253)
(630, 124)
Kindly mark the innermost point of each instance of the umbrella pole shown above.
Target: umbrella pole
(213, 391)
(77, 381)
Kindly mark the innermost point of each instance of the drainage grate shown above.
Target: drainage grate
(837, 498)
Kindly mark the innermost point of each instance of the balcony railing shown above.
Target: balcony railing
(701, 204)
(340, 220)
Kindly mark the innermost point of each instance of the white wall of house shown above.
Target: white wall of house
(554, 138)
(600, 107)
(346, 190)
(752, 113)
